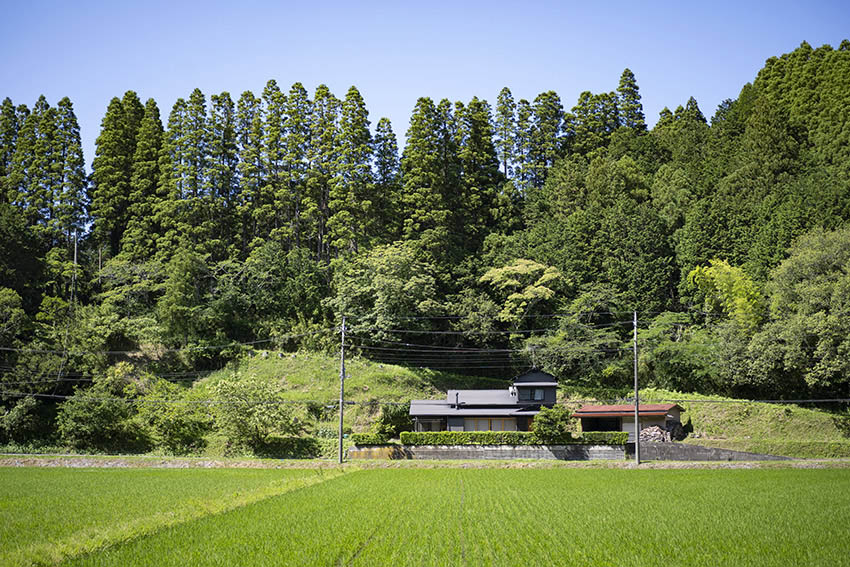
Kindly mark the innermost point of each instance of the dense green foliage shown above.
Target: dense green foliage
(369, 439)
(393, 419)
(553, 424)
(569, 517)
(496, 239)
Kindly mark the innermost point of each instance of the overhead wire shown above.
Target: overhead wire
(280, 339)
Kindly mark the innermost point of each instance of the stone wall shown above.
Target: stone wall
(688, 452)
(560, 452)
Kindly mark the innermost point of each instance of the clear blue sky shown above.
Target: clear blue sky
(395, 52)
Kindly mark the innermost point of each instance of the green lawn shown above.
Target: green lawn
(458, 516)
(47, 514)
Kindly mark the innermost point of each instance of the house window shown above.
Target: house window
(489, 424)
(430, 425)
(529, 394)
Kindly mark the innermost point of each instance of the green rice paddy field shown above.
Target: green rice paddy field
(425, 516)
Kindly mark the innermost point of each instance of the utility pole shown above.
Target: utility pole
(341, 384)
(637, 400)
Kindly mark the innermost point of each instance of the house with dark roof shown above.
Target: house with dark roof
(511, 409)
(622, 417)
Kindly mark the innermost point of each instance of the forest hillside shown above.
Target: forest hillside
(501, 236)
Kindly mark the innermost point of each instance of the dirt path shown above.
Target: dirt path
(96, 461)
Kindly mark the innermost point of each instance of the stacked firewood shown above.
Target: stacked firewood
(672, 431)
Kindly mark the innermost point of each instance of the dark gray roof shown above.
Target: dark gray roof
(426, 408)
(525, 384)
(482, 397)
(536, 377)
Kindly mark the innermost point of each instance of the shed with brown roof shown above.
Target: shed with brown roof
(622, 417)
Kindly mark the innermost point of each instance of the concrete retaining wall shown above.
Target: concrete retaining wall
(688, 452)
(560, 452)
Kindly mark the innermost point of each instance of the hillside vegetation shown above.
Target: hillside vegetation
(783, 429)
(522, 233)
(313, 379)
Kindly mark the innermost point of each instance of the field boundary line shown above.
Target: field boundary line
(96, 539)
(368, 540)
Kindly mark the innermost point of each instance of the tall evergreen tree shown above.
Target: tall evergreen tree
(387, 194)
(629, 107)
(254, 212)
(595, 118)
(134, 111)
(323, 153)
(548, 115)
(9, 127)
(112, 170)
(350, 205)
(426, 213)
(194, 144)
(173, 186)
(139, 240)
(275, 157)
(480, 177)
(33, 172)
(297, 132)
(221, 174)
(505, 130)
(523, 170)
(70, 195)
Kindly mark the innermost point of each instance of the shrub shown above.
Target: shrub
(368, 439)
(248, 411)
(99, 417)
(553, 424)
(174, 422)
(286, 447)
(20, 422)
(326, 431)
(393, 420)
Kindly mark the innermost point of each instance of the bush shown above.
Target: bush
(553, 424)
(393, 420)
(509, 438)
(99, 417)
(174, 422)
(21, 422)
(89, 422)
(284, 447)
(369, 439)
(250, 410)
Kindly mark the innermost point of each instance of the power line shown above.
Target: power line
(169, 350)
(331, 403)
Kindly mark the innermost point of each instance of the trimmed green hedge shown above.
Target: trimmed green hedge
(361, 439)
(509, 438)
(604, 437)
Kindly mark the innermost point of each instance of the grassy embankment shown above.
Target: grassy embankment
(781, 429)
(309, 377)
(470, 517)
